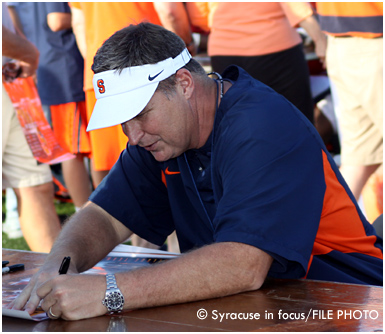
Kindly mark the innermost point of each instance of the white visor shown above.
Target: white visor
(122, 96)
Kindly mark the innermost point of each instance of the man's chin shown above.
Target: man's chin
(160, 156)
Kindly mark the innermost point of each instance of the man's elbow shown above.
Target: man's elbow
(253, 264)
(55, 27)
(254, 281)
(256, 274)
(59, 21)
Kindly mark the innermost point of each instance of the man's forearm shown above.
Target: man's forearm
(88, 237)
(212, 271)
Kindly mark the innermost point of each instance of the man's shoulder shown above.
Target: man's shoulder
(243, 81)
(248, 93)
(253, 109)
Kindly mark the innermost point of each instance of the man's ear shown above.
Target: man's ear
(185, 81)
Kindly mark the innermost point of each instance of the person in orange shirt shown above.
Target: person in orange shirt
(260, 38)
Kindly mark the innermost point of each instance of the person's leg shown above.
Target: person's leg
(77, 180)
(97, 175)
(372, 195)
(359, 91)
(38, 219)
(32, 183)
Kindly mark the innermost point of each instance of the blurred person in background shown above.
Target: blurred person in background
(354, 60)
(60, 85)
(262, 39)
(32, 182)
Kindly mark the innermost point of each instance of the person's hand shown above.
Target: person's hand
(320, 48)
(17, 47)
(28, 298)
(27, 70)
(312, 27)
(30, 63)
(73, 297)
(11, 71)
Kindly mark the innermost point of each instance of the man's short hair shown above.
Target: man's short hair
(144, 43)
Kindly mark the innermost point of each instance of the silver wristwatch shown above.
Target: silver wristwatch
(113, 299)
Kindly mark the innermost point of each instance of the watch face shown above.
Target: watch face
(115, 300)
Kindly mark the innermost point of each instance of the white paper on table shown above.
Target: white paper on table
(134, 251)
(24, 314)
(121, 250)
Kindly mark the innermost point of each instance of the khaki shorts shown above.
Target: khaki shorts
(355, 67)
(19, 167)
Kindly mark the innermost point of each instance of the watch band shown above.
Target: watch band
(114, 299)
(111, 281)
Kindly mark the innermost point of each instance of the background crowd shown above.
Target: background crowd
(284, 45)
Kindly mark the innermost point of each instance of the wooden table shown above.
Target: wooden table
(312, 305)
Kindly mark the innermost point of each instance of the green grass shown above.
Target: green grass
(64, 210)
(18, 243)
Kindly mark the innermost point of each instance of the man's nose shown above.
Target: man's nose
(133, 131)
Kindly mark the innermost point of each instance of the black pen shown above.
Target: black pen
(11, 269)
(65, 265)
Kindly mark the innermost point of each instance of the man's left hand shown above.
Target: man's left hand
(73, 297)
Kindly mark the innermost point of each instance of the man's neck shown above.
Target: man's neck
(209, 94)
(206, 102)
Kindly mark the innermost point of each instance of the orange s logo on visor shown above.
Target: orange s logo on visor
(100, 84)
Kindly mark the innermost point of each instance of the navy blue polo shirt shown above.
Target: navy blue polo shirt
(261, 179)
(61, 66)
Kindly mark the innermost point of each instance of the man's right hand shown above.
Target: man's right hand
(88, 227)
(28, 299)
